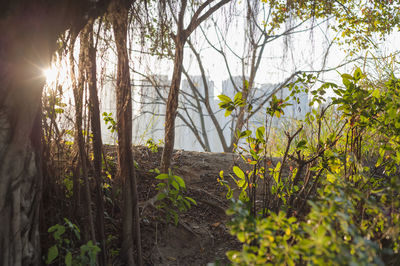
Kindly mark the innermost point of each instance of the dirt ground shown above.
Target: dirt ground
(201, 236)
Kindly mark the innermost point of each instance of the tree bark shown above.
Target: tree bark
(29, 30)
(180, 38)
(76, 193)
(127, 174)
(79, 138)
(172, 106)
(94, 111)
(22, 53)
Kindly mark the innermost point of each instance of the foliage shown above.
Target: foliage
(53, 104)
(357, 21)
(326, 236)
(152, 145)
(331, 208)
(109, 120)
(65, 247)
(171, 197)
(228, 104)
(68, 184)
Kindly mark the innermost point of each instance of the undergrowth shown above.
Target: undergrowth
(339, 202)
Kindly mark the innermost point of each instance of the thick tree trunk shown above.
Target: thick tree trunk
(22, 54)
(127, 175)
(29, 30)
(20, 174)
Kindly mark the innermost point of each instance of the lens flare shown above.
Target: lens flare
(50, 74)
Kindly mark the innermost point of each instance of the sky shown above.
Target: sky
(305, 51)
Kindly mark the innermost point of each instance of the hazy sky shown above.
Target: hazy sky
(305, 51)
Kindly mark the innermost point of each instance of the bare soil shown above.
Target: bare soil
(201, 236)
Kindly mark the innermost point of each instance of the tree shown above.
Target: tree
(127, 174)
(29, 33)
(198, 98)
(279, 21)
(180, 38)
(94, 110)
(78, 90)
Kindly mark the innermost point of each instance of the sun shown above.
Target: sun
(50, 74)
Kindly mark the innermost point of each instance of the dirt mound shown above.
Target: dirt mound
(202, 235)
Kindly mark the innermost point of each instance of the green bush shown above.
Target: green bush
(171, 196)
(65, 249)
(339, 203)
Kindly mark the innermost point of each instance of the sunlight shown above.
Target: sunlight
(50, 74)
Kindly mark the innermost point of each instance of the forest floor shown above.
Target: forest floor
(201, 236)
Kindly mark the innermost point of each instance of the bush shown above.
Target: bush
(331, 208)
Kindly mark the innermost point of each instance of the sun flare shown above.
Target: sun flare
(50, 74)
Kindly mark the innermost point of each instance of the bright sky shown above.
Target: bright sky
(305, 52)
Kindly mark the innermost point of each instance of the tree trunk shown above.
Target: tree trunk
(182, 34)
(76, 193)
(20, 172)
(21, 52)
(29, 30)
(172, 106)
(127, 175)
(94, 111)
(79, 138)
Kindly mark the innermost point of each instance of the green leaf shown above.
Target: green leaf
(241, 183)
(238, 98)
(176, 218)
(68, 259)
(238, 172)
(346, 82)
(229, 194)
(161, 185)
(260, 133)
(302, 144)
(58, 230)
(376, 93)
(180, 181)
(224, 98)
(357, 74)
(245, 134)
(52, 254)
(347, 76)
(161, 196)
(162, 176)
(243, 196)
(175, 184)
(241, 236)
(192, 200)
(233, 256)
